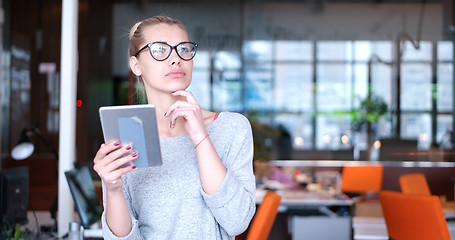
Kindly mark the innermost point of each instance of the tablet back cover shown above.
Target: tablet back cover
(135, 125)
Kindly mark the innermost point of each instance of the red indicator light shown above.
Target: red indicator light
(79, 103)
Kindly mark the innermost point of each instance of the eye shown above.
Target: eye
(184, 49)
(159, 49)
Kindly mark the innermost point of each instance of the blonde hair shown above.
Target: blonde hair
(137, 31)
(136, 91)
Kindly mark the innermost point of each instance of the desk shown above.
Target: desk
(440, 175)
(369, 228)
(312, 213)
(366, 228)
(44, 219)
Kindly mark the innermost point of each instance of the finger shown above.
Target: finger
(179, 104)
(105, 172)
(122, 162)
(123, 151)
(111, 156)
(185, 113)
(189, 96)
(105, 149)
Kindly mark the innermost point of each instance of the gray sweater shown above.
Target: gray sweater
(168, 202)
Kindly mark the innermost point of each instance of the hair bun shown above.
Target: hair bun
(134, 28)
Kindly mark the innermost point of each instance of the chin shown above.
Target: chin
(182, 85)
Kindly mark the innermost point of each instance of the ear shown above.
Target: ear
(134, 65)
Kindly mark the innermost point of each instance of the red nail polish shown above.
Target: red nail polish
(133, 167)
(134, 155)
(128, 147)
(116, 144)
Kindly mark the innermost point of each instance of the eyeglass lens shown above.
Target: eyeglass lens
(161, 51)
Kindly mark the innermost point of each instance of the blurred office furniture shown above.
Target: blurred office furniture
(361, 179)
(43, 179)
(86, 201)
(26, 146)
(375, 228)
(84, 195)
(14, 195)
(310, 213)
(321, 227)
(438, 174)
(413, 217)
(397, 149)
(363, 183)
(415, 183)
(264, 217)
(369, 228)
(43, 183)
(31, 138)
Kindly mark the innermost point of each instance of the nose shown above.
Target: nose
(174, 59)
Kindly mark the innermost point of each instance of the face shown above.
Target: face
(169, 75)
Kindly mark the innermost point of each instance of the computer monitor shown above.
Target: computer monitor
(84, 195)
(14, 193)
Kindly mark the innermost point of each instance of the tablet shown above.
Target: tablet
(135, 125)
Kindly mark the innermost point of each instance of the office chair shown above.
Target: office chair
(265, 216)
(414, 183)
(361, 179)
(413, 217)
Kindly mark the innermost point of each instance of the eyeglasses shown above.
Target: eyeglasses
(160, 51)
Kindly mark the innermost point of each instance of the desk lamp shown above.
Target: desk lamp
(25, 148)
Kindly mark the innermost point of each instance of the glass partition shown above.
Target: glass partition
(313, 89)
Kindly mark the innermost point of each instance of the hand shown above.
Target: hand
(111, 162)
(191, 112)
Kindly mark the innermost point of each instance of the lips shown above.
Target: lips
(175, 74)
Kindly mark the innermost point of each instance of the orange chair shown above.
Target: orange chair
(413, 217)
(265, 216)
(414, 183)
(361, 178)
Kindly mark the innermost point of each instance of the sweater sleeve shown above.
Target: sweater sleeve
(233, 205)
(107, 233)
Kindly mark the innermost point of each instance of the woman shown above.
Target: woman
(205, 188)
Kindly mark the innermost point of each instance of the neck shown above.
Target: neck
(162, 102)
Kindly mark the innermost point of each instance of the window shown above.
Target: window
(310, 88)
(416, 88)
(200, 83)
(444, 94)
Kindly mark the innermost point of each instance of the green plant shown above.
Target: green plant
(371, 109)
(16, 233)
(263, 136)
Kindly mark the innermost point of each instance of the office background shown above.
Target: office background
(302, 67)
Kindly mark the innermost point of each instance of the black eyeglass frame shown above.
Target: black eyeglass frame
(149, 45)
